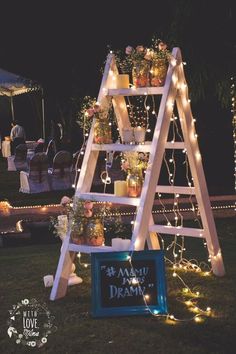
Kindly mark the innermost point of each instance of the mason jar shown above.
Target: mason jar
(102, 132)
(95, 232)
(134, 184)
(140, 73)
(77, 234)
(158, 72)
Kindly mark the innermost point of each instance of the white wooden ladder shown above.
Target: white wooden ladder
(144, 229)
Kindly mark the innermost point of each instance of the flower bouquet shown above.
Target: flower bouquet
(102, 128)
(148, 66)
(86, 220)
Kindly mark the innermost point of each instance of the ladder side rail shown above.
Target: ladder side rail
(66, 259)
(152, 237)
(156, 156)
(195, 162)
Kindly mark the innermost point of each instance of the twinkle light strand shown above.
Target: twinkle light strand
(233, 110)
(191, 303)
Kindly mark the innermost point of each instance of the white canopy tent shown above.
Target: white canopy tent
(12, 85)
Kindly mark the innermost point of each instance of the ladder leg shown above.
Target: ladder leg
(200, 185)
(62, 274)
(152, 238)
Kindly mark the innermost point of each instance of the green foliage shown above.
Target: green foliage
(125, 60)
(83, 120)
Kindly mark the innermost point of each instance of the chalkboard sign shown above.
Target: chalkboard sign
(128, 283)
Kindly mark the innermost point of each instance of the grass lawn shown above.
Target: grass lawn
(21, 273)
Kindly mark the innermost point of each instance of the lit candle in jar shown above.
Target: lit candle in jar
(125, 244)
(122, 81)
(139, 134)
(116, 244)
(120, 188)
(127, 136)
(134, 185)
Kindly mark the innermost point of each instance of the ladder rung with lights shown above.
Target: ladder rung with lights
(144, 229)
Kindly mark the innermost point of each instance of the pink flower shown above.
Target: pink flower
(149, 54)
(125, 166)
(128, 50)
(65, 200)
(88, 213)
(140, 48)
(162, 46)
(88, 205)
(90, 112)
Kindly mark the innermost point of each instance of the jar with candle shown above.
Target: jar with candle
(95, 232)
(140, 73)
(122, 81)
(127, 135)
(134, 183)
(102, 132)
(139, 135)
(158, 72)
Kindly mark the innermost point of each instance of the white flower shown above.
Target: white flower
(65, 200)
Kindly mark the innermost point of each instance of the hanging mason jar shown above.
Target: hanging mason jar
(78, 234)
(134, 183)
(94, 232)
(158, 72)
(102, 132)
(140, 73)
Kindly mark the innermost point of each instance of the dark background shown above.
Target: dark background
(63, 45)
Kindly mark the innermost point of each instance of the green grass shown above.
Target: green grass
(9, 190)
(21, 273)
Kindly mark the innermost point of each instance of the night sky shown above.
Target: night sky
(63, 45)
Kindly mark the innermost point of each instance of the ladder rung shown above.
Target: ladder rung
(122, 147)
(173, 230)
(136, 91)
(175, 189)
(177, 145)
(89, 249)
(98, 197)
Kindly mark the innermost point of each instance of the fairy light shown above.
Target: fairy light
(233, 110)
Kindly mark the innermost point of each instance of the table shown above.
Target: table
(6, 148)
(31, 144)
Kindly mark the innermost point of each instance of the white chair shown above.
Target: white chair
(61, 175)
(36, 180)
(18, 162)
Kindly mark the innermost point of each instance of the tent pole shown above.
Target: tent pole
(12, 109)
(43, 114)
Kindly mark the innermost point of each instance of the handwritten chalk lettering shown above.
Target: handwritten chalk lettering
(30, 333)
(129, 281)
(133, 272)
(117, 292)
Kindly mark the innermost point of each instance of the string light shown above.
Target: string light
(233, 110)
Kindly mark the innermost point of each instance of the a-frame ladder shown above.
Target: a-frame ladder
(174, 90)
